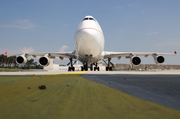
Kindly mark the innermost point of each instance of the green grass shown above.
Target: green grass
(14, 70)
(10, 70)
(72, 97)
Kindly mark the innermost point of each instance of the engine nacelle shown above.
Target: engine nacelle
(44, 61)
(159, 59)
(135, 60)
(21, 59)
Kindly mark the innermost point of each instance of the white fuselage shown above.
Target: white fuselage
(89, 41)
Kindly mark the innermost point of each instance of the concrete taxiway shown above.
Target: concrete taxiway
(159, 87)
(48, 72)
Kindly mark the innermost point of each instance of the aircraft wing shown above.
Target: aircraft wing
(51, 55)
(131, 54)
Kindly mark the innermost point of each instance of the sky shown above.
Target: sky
(128, 26)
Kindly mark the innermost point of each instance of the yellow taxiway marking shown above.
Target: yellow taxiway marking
(79, 72)
(72, 97)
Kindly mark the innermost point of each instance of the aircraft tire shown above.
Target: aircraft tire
(82, 68)
(69, 68)
(107, 68)
(73, 68)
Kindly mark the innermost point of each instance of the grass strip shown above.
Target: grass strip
(10, 70)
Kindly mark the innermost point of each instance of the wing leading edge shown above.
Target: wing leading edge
(51, 55)
(131, 54)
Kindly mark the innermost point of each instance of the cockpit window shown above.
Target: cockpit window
(91, 19)
(88, 19)
(85, 19)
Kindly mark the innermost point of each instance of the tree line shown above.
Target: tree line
(10, 62)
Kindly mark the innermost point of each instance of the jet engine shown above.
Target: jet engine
(21, 59)
(44, 61)
(135, 60)
(159, 59)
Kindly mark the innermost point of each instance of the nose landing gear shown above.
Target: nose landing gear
(85, 67)
(96, 67)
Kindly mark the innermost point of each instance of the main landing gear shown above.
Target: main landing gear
(71, 68)
(109, 68)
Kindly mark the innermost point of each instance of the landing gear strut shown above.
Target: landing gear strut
(108, 68)
(71, 68)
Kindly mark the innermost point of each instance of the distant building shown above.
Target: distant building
(51, 66)
(147, 66)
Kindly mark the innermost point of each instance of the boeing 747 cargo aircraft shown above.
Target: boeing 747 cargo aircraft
(89, 50)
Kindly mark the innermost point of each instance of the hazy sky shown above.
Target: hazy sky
(128, 25)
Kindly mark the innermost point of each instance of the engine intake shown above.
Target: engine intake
(21, 60)
(135, 60)
(159, 59)
(44, 61)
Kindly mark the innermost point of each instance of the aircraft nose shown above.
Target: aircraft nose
(86, 42)
(87, 36)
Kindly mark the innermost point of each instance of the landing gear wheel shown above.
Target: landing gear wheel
(107, 68)
(91, 67)
(82, 68)
(69, 68)
(73, 68)
(98, 68)
(85, 67)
